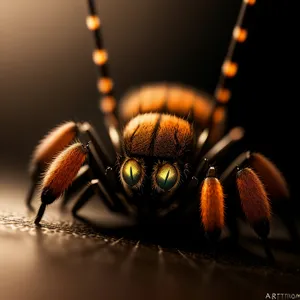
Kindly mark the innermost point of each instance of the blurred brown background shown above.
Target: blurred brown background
(47, 75)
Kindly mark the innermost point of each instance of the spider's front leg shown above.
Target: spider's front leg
(60, 175)
(254, 200)
(56, 141)
(273, 183)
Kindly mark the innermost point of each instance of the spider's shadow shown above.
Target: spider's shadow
(184, 237)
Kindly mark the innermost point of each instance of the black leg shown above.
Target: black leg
(253, 197)
(285, 212)
(107, 187)
(106, 159)
(230, 171)
(202, 142)
(29, 198)
(234, 135)
(81, 180)
(87, 193)
(231, 217)
(40, 213)
(268, 250)
(94, 187)
(35, 174)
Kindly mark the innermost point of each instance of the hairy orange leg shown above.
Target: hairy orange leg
(212, 205)
(60, 175)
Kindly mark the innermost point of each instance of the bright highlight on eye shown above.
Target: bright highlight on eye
(132, 172)
(166, 177)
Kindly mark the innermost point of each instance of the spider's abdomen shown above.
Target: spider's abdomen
(178, 100)
(159, 135)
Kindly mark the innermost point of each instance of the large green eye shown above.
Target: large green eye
(132, 172)
(166, 177)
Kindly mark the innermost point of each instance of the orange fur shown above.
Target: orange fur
(173, 138)
(130, 107)
(152, 100)
(63, 169)
(138, 134)
(180, 101)
(273, 179)
(55, 141)
(166, 98)
(255, 202)
(212, 204)
(217, 130)
(157, 135)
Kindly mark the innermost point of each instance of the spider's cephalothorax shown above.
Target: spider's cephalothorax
(169, 152)
(159, 141)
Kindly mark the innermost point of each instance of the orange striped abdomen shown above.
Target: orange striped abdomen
(173, 99)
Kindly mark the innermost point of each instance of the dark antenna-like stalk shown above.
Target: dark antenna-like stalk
(105, 83)
(222, 93)
(229, 68)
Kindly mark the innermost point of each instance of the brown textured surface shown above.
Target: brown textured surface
(67, 260)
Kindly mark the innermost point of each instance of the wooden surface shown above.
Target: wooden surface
(66, 259)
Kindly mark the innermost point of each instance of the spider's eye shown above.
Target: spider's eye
(166, 177)
(132, 172)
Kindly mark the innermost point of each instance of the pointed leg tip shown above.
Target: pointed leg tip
(268, 251)
(40, 214)
(213, 235)
(37, 222)
(30, 208)
(262, 228)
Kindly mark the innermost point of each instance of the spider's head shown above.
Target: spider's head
(157, 149)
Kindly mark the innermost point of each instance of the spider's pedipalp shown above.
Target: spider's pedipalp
(212, 205)
(254, 200)
(60, 174)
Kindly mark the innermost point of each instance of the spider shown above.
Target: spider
(170, 143)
